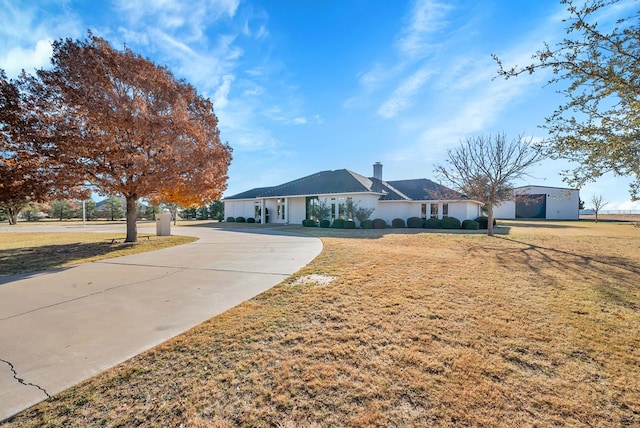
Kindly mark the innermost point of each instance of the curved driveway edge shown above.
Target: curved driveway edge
(57, 329)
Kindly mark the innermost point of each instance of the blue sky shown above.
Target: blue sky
(305, 86)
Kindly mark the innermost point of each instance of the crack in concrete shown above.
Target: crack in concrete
(21, 380)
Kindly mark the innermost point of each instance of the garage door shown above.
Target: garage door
(531, 206)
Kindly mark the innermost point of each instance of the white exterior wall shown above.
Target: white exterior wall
(463, 210)
(390, 210)
(506, 210)
(297, 210)
(562, 204)
(460, 210)
(239, 208)
(368, 201)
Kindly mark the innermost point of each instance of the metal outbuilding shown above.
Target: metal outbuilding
(541, 202)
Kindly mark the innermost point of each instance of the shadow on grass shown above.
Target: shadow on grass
(616, 277)
(319, 232)
(544, 224)
(19, 263)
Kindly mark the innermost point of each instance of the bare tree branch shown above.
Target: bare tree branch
(484, 167)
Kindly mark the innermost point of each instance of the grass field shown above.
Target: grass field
(539, 327)
(22, 252)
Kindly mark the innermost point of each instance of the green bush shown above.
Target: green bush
(415, 223)
(240, 220)
(397, 223)
(251, 220)
(325, 223)
(308, 223)
(367, 224)
(379, 224)
(433, 223)
(349, 224)
(470, 225)
(338, 224)
(484, 222)
(451, 223)
(231, 219)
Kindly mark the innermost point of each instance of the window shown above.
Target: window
(445, 210)
(280, 204)
(333, 209)
(423, 211)
(256, 212)
(312, 203)
(341, 208)
(434, 210)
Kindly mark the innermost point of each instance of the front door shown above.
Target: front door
(312, 203)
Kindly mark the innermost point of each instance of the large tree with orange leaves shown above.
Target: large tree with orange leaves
(137, 131)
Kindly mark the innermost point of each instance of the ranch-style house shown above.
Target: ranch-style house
(293, 202)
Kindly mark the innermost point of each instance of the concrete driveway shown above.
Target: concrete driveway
(59, 328)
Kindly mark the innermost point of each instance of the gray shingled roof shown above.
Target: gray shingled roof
(422, 189)
(345, 181)
(325, 182)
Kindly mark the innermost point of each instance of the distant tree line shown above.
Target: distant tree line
(112, 209)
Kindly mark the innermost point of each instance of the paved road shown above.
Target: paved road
(59, 328)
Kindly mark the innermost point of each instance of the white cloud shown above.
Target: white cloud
(171, 43)
(464, 96)
(255, 72)
(253, 91)
(374, 77)
(427, 17)
(25, 37)
(190, 18)
(401, 98)
(18, 58)
(202, 66)
(228, 7)
(260, 33)
(220, 99)
(277, 114)
(459, 95)
(254, 139)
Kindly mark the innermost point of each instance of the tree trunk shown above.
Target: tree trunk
(490, 219)
(132, 228)
(12, 214)
(173, 209)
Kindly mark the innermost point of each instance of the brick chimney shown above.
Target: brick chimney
(377, 170)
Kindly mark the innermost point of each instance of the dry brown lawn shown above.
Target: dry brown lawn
(536, 328)
(22, 252)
